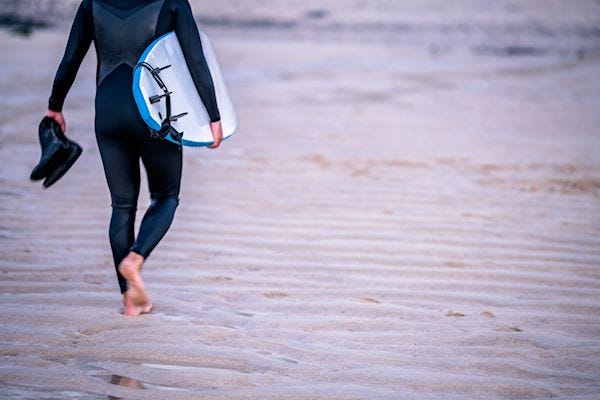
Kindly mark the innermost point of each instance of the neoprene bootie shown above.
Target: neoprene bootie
(54, 148)
(73, 153)
(58, 153)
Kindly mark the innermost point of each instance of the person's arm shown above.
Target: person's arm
(78, 44)
(189, 39)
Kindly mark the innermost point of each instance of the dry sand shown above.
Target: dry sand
(410, 209)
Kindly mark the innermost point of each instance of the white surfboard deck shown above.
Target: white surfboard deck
(184, 98)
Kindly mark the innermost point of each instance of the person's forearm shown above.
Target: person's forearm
(191, 45)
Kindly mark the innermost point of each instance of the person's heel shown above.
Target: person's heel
(137, 291)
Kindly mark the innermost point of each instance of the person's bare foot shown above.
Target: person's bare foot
(130, 309)
(135, 299)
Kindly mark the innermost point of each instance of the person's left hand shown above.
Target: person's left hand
(59, 118)
(217, 132)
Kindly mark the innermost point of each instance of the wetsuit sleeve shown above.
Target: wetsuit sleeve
(78, 44)
(189, 39)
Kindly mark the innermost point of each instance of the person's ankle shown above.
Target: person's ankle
(135, 258)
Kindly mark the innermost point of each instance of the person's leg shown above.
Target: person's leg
(120, 158)
(163, 163)
(120, 152)
(122, 171)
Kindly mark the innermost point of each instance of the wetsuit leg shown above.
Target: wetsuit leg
(122, 170)
(118, 128)
(163, 163)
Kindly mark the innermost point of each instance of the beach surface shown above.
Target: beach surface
(409, 209)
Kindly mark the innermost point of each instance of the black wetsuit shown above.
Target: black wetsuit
(121, 30)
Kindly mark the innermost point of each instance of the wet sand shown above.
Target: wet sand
(404, 213)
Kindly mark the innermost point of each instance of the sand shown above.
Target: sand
(410, 209)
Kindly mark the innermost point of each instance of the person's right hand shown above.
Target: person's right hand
(217, 132)
(59, 118)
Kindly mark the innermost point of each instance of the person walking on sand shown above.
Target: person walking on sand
(121, 30)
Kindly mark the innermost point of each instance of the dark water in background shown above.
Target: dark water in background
(24, 16)
(485, 28)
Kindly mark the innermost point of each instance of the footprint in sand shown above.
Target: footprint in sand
(406, 164)
(288, 360)
(320, 160)
(451, 313)
(274, 295)
(370, 300)
(509, 329)
(94, 279)
(245, 314)
(219, 278)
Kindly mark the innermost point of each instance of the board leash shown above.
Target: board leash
(166, 127)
